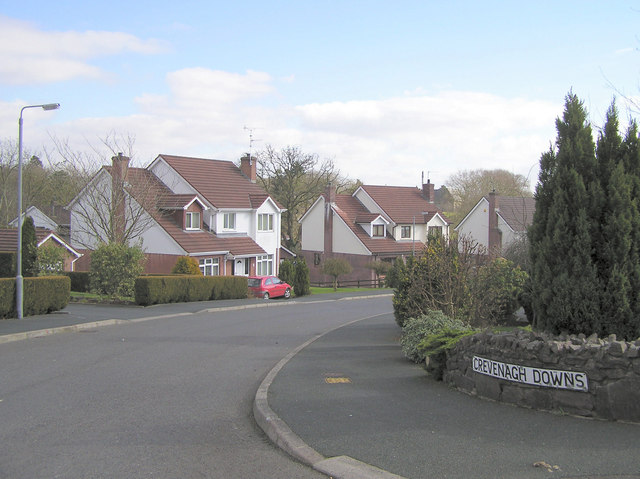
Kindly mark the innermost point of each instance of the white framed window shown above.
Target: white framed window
(229, 222)
(264, 265)
(192, 221)
(378, 231)
(265, 222)
(405, 232)
(210, 266)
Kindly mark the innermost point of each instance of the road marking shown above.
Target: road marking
(337, 380)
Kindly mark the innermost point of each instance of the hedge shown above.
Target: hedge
(7, 265)
(40, 295)
(185, 288)
(79, 281)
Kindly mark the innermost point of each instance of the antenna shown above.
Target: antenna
(251, 140)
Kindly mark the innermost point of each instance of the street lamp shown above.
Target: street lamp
(19, 285)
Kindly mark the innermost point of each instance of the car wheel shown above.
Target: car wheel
(265, 295)
(287, 293)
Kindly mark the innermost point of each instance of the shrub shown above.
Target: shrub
(395, 273)
(186, 265)
(301, 284)
(7, 265)
(415, 330)
(434, 347)
(41, 295)
(79, 281)
(114, 269)
(185, 288)
(497, 288)
(287, 271)
(380, 268)
(29, 248)
(336, 267)
(50, 259)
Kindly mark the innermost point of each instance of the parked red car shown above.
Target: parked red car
(268, 287)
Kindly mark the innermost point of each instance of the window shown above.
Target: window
(192, 221)
(210, 266)
(378, 230)
(405, 232)
(265, 222)
(264, 265)
(229, 221)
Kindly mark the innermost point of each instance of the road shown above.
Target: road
(165, 398)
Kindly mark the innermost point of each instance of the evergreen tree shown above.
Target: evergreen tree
(565, 289)
(29, 248)
(301, 284)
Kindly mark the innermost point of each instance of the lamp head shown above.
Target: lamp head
(51, 106)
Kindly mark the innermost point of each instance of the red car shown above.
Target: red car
(268, 287)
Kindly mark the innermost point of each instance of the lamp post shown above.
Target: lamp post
(19, 283)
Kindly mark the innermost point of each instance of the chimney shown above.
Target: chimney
(428, 191)
(248, 167)
(329, 199)
(495, 235)
(119, 170)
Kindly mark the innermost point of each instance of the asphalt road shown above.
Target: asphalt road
(165, 398)
(362, 399)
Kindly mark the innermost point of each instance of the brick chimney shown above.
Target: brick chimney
(248, 167)
(428, 191)
(329, 199)
(495, 235)
(119, 171)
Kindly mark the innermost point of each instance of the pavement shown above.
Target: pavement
(348, 404)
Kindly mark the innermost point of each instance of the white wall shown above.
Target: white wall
(312, 237)
(476, 224)
(268, 240)
(344, 241)
(171, 179)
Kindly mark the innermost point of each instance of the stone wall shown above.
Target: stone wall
(612, 370)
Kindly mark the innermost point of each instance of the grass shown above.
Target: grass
(317, 290)
(77, 297)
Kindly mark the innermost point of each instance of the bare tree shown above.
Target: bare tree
(468, 186)
(118, 203)
(295, 179)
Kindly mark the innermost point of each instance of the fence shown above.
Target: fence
(358, 283)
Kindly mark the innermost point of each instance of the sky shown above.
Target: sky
(388, 91)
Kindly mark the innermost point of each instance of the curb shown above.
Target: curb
(338, 467)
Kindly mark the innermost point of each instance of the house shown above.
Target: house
(182, 206)
(55, 218)
(495, 222)
(375, 223)
(44, 236)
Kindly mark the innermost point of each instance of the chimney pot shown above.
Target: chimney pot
(428, 191)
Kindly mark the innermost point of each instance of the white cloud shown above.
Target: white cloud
(390, 141)
(44, 56)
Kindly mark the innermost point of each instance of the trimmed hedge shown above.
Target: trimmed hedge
(40, 295)
(79, 281)
(7, 265)
(185, 288)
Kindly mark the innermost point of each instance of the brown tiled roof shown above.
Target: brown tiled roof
(149, 191)
(517, 211)
(349, 208)
(402, 203)
(175, 201)
(220, 182)
(366, 217)
(9, 238)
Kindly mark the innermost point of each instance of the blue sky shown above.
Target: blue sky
(386, 90)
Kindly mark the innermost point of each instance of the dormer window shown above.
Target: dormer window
(229, 221)
(192, 220)
(378, 231)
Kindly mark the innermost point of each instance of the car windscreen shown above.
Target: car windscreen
(254, 282)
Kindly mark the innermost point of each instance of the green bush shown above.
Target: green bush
(186, 288)
(301, 283)
(40, 295)
(50, 259)
(415, 330)
(336, 267)
(498, 286)
(79, 281)
(7, 265)
(434, 347)
(114, 269)
(186, 265)
(287, 271)
(29, 248)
